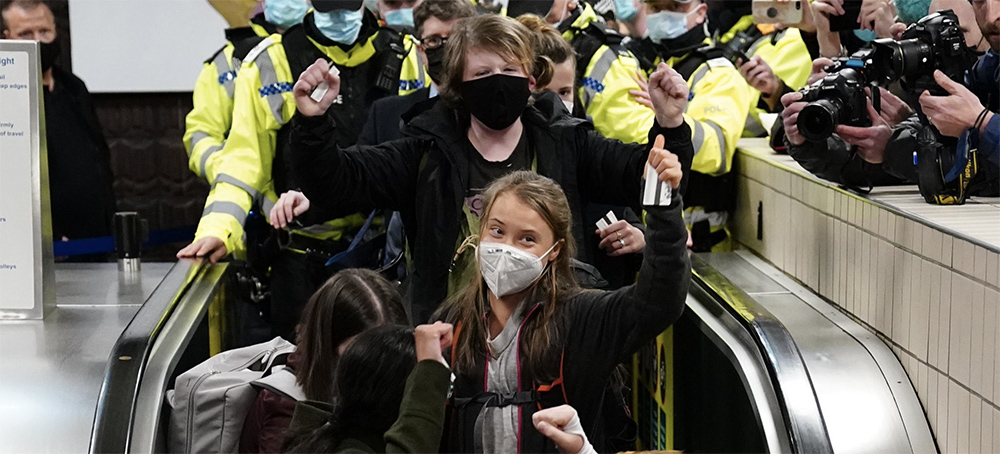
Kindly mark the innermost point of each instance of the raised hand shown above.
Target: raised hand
(667, 165)
(311, 78)
(432, 340)
(668, 92)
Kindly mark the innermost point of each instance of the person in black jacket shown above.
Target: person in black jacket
(434, 21)
(482, 130)
(79, 160)
(527, 337)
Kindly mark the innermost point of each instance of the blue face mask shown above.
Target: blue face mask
(340, 25)
(625, 9)
(666, 25)
(402, 17)
(865, 35)
(285, 13)
(372, 5)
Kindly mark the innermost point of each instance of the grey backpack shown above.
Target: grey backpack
(210, 402)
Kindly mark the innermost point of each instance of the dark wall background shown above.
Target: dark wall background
(144, 132)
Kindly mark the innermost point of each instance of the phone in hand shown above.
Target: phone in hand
(777, 12)
(848, 20)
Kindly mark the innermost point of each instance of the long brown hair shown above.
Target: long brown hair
(542, 333)
(500, 34)
(349, 303)
(550, 49)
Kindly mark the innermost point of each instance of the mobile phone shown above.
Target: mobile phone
(777, 12)
(848, 20)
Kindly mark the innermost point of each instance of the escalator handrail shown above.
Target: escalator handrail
(787, 371)
(117, 401)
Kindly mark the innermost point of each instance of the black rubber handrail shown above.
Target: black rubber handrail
(116, 403)
(785, 367)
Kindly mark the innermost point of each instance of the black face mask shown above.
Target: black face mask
(48, 53)
(496, 101)
(435, 63)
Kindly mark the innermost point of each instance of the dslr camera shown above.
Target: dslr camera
(839, 98)
(934, 42)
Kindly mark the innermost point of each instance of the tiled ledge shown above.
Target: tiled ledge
(924, 278)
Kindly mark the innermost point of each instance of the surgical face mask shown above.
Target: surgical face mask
(372, 5)
(507, 269)
(865, 35)
(285, 13)
(402, 17)
(625, 9)
(666, 25)
(569, 106)
(497, 101)
(339, 25)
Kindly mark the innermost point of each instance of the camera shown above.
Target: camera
(839, 98)
(934, 42)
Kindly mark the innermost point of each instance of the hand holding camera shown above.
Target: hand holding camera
(953, 113)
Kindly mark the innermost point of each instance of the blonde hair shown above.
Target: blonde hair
(492, 33)
(550, 49)
(542, 333)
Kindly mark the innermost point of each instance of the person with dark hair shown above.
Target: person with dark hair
(389, 395)
(433, 20)
(79, 160)
(617, 266)
(527, 337)
(348, 304)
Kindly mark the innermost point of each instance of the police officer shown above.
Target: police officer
(772, 58)
(379, 62)
(211, 117)
(716, 112)
(605, 72)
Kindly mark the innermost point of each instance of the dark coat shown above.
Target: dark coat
(601, 329)
(425, 175)
(387, 117)
(79, 161)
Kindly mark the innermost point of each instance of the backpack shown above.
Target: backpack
(211, 401)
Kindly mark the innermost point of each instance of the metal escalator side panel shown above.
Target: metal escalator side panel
(786, 368)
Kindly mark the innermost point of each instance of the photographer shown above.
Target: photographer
(856, 156)
(882, 153)
(972, 108)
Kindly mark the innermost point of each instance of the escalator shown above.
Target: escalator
(757, 363)
(760, 364)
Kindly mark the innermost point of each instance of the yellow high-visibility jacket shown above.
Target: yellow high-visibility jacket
(784, 51)
(263, 105)
(609, 75)
(208, 123)
(717, 108)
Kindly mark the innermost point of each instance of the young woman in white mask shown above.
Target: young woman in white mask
(527, 337)
(484, 127)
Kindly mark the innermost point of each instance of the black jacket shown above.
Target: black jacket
(387, 116)
(836, 160)
(424, 176)
(79, 160)
(601, 330)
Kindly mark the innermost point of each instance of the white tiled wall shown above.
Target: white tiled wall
(932, 295)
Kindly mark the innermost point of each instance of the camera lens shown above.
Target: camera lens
(772, 12)
(910, 57)
(817, 119)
